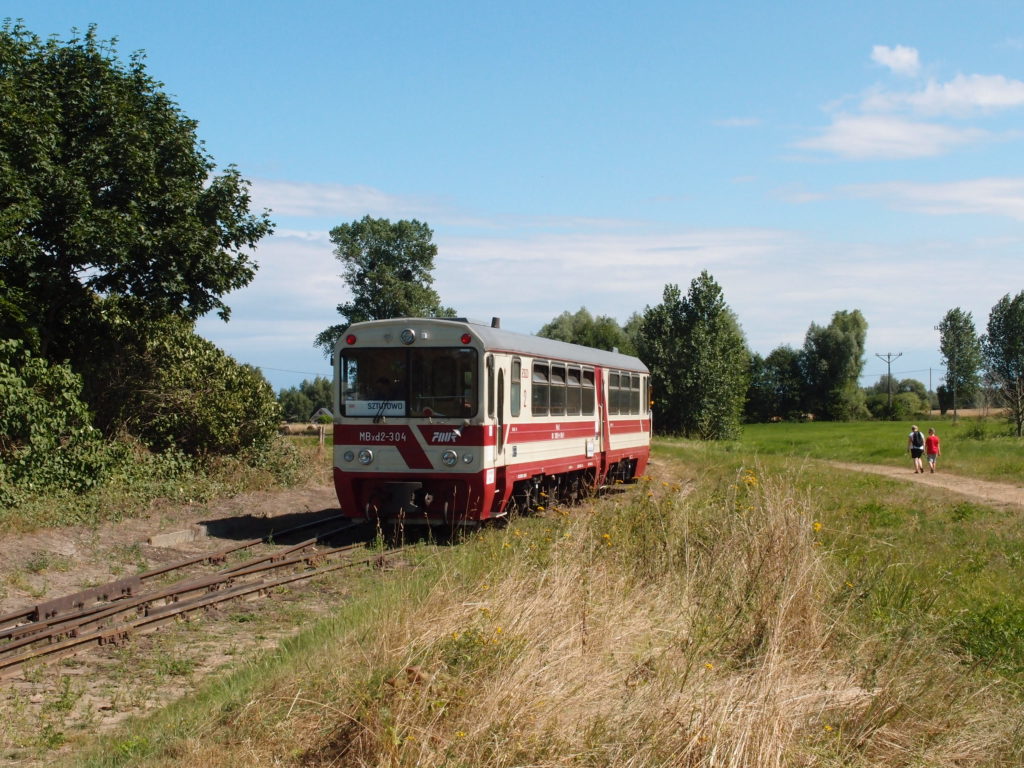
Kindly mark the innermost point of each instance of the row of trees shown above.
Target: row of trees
(994, 360)
(705, 380)
(117, 232)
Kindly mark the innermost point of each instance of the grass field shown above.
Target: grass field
(742, 606)
(980, 448)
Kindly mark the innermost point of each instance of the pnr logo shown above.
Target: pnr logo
(444, 437)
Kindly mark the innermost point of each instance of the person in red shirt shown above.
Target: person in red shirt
(931, 447)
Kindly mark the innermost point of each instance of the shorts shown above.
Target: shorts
(916, 453)
(932, 457)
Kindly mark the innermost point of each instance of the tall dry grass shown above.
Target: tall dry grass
(655, 628)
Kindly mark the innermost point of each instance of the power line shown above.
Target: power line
(898, 373)
(287, 370)
(889, 357)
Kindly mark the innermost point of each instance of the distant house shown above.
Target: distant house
(321, 412)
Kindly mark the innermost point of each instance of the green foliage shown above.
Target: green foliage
(1003, 352)
(299, 403)
(388, 267)
(45, 435)
(175, 390)
(833, 357)
(698, 360)
(105, 189)
(601, 332)
(905, 405)
(961, 353)
(776, 384)
(14, 322)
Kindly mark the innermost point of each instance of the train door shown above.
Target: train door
(496, 420)
(604, 421)
(501, 415)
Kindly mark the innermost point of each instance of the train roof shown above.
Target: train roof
(522, 343)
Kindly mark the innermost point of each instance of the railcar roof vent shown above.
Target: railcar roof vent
(495, 322)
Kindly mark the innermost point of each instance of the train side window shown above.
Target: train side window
(634, 394)
(645, 405)
(572, 392)
(539, 396)
(557, 390)
(587, 399)
(516, 380)
(490, 386)
(613, 392)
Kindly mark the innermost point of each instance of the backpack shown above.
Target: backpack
(917, 440)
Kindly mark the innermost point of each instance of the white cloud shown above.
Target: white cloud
(860, 137)
(776, 281)
(900, 59)
(888, 124)
(796, 193)
(738, 122)
(286, 198)
(961, 96)
(992, 196)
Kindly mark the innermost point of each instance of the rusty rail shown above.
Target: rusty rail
(68, 638)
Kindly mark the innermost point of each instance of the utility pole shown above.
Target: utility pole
(889, 357)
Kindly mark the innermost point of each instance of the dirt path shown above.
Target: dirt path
(1000, 495)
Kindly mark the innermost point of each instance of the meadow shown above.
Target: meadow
(737, 607)
(976, 447)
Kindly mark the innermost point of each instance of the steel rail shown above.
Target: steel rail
(29, 634)
(164, 614)
(130, 585)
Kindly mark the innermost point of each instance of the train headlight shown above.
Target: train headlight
(449, 458)
(408, 336)
(467, 458)
(365, 456)
(349, 456)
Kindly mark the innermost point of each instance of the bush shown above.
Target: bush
(905, 405)
(46, 436)
(203, 401)
(175, 390)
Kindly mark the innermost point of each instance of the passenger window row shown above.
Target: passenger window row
(560, 389)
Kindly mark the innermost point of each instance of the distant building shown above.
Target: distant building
(321, 412)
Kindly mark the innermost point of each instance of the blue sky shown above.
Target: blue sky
(813, 157)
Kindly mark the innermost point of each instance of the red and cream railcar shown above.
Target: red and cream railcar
(451, 422)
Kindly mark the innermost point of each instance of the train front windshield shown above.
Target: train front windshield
(424, 382)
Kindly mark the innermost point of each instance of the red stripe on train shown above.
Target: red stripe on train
(627, 426)
(553, 430)
(397, 435)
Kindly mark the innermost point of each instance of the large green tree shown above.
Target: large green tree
(698, 360)
(601, 332)
(106, 190)
(776, 385)
(1003, 351)
(961, 353)
(388, 267)
(832, 360)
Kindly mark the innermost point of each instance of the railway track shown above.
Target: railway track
(112, 613)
